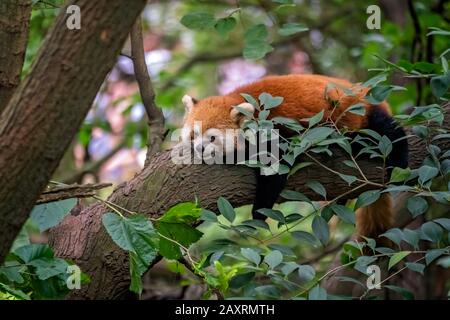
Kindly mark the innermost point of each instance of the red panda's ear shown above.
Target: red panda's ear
(242, 111)
(188, 102)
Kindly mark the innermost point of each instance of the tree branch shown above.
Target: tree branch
(49, 106)
(14, 26)
(71, 191)
(154, 114)
(163, 184)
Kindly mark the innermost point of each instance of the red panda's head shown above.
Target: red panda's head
(213, 122)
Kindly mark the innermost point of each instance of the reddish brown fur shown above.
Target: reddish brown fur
(304, 96)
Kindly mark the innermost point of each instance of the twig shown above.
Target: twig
(92, 166)
(416, 46)
(154, 114)
(62, 192)
(327, 251)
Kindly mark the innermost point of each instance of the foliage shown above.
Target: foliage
(285, 256)
(31, 271)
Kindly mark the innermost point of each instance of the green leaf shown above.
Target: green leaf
(288, 268)
(424, 67)
(255, 42)
(256, 224)
(198, 20)
(294, 196)
(397, 257)
(137, 269)
(14, 292)
(317, 187)
(208, 215)
(358, 109)
(268, 101)
(318, 134)
(348, 279)
(274, 214)
(22, 238)
(416, 206)
(412, 237)
(440, 85)
(267, 291)
(291, 28)
(225, 25)
(306, 273)
(48, 215)
(12, 271)
(394, 234)
(34, 251)
(444, 222)
(408, 295)
(273, 259)
(304, 236)
(344, 213)
(399, 174)
(263, 114)
(347, 178)
(186, 212)
(182, 233)
(433, 254)
(242, 279)
(416, 267)
(444, 262)
(226, 209)
(320, 229)
(135, 235)
(367, 198)
(363, 262)
(317, 293)
(49, 267)
(385, 146)
(431, 232)
(427, 173)
(375, 80)
(250, 100)
(251, 255)
(299, 166)
(378, 94)
(315, 119)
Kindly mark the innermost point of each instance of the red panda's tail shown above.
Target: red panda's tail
(375, 219)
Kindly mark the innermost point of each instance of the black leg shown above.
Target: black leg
(268, 188)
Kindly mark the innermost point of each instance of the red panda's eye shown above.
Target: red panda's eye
(212, 138)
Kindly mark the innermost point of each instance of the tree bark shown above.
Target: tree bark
(14, 26)
(163, 184)
(48, 107)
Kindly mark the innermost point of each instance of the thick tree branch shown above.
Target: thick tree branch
(14, 26)
(162, 184)
(154, 114)
(49, 106)
(62, 192)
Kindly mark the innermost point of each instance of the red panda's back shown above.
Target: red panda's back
(306, 95)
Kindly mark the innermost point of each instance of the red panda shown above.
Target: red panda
(303, 97)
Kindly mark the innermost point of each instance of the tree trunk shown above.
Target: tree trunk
(14, 26)
(49, 106)
(163, 184)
